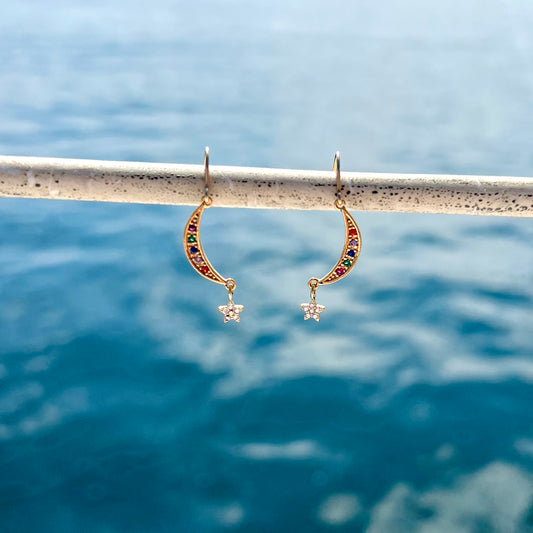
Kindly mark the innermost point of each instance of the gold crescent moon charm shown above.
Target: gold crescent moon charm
(349, 256)
(193, 248)
(196, 256)
(350, 253)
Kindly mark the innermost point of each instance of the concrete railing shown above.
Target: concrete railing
(154, 183)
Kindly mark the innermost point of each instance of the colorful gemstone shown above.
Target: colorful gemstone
(339, 271)
(194, 250)
(352, 232)
(353, 243)
(192, 228)
(351, 253)
(198, 259)
(204, 269)
(191, 238)
(347, 262)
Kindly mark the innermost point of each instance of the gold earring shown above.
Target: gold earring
(196, 255)
(350, 253)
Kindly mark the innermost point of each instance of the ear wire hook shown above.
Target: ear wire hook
(339, 202)
(207, 199)
(337, 170)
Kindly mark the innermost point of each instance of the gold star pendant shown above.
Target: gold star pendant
(312, 310)
(231, 311)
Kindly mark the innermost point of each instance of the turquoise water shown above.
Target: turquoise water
(126, 405)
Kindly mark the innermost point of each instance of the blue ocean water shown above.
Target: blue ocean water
(126, 405)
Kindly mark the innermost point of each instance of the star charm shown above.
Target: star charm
(231, 311)
(312, 310)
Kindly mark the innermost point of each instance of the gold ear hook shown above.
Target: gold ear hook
(337, 170)
(207, 198)
(339, 202)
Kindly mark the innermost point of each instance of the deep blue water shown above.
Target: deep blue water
(126, 405)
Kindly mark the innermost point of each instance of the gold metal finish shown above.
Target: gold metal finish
(195, 253)
(350, 226)
(352, 235)
(193, 248)
(207, 176)
(313, 285)
(231, 286)
(350, 252)
(337, 170)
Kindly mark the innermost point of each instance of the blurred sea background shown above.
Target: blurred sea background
(126, 405)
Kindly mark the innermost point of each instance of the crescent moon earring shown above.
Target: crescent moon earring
(196, 255)
(350, 252)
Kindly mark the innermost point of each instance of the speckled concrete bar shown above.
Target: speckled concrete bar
(151, 183)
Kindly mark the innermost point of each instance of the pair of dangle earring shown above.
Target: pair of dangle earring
(349, 256)
(196, 255)
(197, 258)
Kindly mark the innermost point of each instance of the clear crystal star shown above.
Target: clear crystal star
(312, 310)
(231, 311)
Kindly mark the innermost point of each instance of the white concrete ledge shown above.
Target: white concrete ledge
(154, 183)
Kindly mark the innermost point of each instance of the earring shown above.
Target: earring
(350, 253)
(196, 255)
